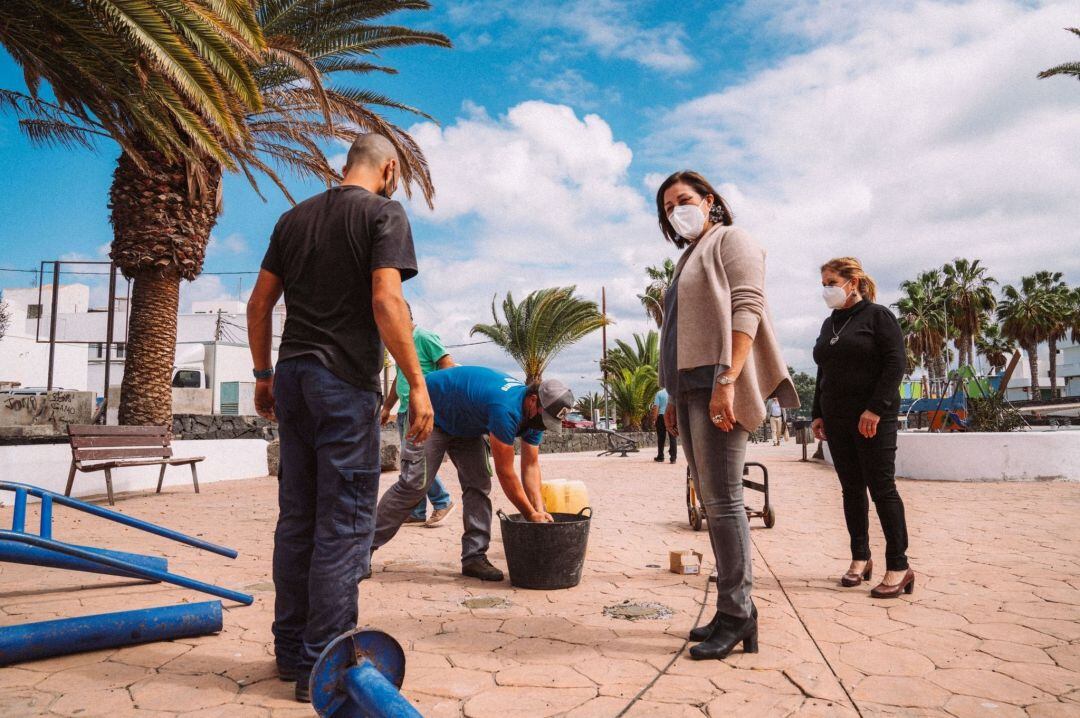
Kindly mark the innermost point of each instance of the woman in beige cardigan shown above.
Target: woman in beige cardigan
(719, 361)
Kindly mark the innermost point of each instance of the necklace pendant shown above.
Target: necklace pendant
(834, 340)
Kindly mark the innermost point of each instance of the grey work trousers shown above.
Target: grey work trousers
(419, 466)
(716, 465)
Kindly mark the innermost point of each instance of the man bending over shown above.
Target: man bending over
(472, 403)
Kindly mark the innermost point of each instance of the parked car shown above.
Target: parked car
(575, 420)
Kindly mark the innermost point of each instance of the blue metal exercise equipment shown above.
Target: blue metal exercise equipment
(19, 546)
(358, 676)
(44, 639)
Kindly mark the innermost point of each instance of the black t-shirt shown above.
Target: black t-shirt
(863, 368)
(325, 250)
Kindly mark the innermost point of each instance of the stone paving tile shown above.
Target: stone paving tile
(992, 629)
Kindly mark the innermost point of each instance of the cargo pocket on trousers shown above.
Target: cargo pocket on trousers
(358, 500)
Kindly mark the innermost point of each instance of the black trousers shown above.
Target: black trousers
(869, 465)
(327, 490)
(661, 435)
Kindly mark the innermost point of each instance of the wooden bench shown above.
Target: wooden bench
(104, 448)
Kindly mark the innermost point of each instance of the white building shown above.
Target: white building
(81, 331)
(1069, 368)
(24, 352)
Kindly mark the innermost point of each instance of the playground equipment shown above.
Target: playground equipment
(358, 676)
(20, 546)
(695, 509)
(44, 639)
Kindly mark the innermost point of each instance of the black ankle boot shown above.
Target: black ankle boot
(704, 633)
(731, 632)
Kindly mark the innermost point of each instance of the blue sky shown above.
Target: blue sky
(832, 128)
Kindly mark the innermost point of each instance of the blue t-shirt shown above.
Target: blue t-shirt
(661, 400)
(471, 401)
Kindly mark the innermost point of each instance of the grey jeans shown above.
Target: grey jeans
(419, 466)
(716, 465)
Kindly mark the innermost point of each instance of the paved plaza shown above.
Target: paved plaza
(993, 627)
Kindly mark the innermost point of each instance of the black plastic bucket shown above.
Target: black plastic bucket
(546, 556)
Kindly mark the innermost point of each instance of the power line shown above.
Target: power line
(105, 274)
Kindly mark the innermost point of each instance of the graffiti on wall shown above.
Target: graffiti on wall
(56, 409)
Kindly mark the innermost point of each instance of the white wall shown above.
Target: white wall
(46, 465)
(25, 361)
(1007, 456)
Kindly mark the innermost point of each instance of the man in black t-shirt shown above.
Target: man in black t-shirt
(340, 258)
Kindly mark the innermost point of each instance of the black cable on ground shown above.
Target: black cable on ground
(662, 673)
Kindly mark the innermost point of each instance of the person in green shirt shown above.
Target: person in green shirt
(433, 356)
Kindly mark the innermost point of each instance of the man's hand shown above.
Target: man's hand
(722, 407)
(264, 398)
(421, 415)
(384, 416)
(671, 419)
(818, 427)
(541, 517)
(868, 424)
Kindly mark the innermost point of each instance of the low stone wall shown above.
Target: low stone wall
(222, 426)
(574, 441)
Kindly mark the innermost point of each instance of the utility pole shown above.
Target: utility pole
(603, 356)
(218, 326)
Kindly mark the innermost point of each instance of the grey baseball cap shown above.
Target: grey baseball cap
(556, 400)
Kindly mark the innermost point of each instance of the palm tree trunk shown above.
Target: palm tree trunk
(161, 225)
(1051, 344)
(1033, 366)
(146, 392)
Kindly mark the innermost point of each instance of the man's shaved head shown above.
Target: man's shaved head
(371, 150)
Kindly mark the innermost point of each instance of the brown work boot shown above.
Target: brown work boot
(438, 515)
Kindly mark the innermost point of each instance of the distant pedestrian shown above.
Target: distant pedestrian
(719, 360)
(433, 356)
(776, 419)
(660, 404)
(861, 360)
(340, 258)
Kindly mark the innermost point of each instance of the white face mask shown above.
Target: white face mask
(835, 297)
(687, 220)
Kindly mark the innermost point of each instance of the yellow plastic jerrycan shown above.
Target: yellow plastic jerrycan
(564, 497)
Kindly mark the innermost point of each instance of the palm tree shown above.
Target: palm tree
(162, 220)
(661, 279)
(1026, 315)
(175, 75)
(542, 325)
(994, 347)
(588, 403)
(633, 393)
(922, 319)
(1068, 68)
(1059, 297)
(645, 352)
(970, 300)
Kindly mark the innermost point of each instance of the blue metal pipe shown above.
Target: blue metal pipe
(46, 516)
(139, 571)
(376, 696)
(28, 489)
(18, 519)
(107, 630)
(13, 552)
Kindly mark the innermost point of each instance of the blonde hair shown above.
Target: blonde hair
(851, 269)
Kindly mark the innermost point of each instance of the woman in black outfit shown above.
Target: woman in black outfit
(861, 360)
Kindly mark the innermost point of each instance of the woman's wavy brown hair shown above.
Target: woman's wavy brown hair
(851, 268)
(720, 213)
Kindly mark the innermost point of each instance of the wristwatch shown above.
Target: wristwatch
(724, 380)
(263, 373)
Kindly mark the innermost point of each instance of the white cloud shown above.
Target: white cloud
(539, 197)
(607, 28)
(916, 134)
(572, 87)
(233, 244)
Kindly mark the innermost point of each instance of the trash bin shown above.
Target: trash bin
(546, 556)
